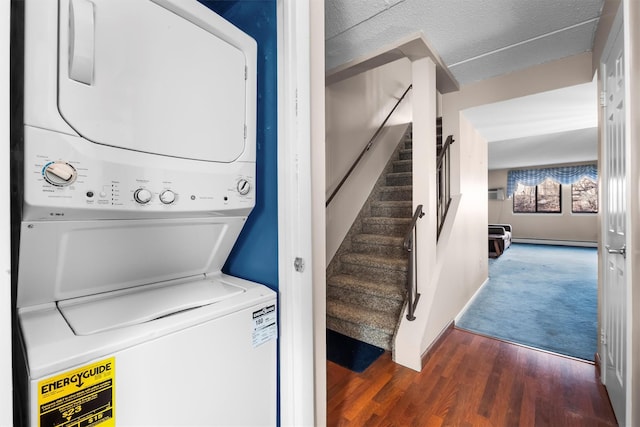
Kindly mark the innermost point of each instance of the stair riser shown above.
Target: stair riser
(375, 273)
(365, 300)
(360, 332)
(402, 167)
(384, 229)
(368, 248)
(399, 180)
(395, 195)
(391, 211)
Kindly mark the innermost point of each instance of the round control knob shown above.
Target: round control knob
(243, 186)
(142, 196)
(60, 174)
(167, 197)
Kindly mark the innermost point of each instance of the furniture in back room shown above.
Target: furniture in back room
(499, 239)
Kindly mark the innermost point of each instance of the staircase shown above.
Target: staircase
(366, 279)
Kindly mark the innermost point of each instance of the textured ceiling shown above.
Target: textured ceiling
(480, 39)
(476, 39)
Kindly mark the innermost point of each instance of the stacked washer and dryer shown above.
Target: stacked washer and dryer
(139, 174)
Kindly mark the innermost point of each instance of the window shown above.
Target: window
(584, 196)
(541, 198)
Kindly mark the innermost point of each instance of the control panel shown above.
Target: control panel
(63, 181)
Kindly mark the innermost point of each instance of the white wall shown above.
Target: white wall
(462, 264)
(462, 258)
(407, 350)
(457, 266)
(355, 108)
(6, 406)
(564, 226)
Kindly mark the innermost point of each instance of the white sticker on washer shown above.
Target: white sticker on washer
(264, 325)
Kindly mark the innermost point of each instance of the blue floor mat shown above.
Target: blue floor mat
(354, 355)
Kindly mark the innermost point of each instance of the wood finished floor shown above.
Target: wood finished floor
(470, 381)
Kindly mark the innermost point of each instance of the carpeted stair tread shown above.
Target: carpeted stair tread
(400, 174)
(387, 221)
(388, 226)
(376, 261)
(402, 166)
(378, 239)
(392, 208)
(399, 178)
(379, 244)
(373, 302)
(396, 192)
(384, 322)
(385, 290)
(393, 203)
(406, 154)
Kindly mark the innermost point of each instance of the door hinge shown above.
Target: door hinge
(245, 131)
(603, 99)
(298, 264)
(603, 337)
(246, 72)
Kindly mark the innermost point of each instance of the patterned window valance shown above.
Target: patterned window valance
(564, 175)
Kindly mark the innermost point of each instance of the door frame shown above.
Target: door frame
(6, 385)
(295, 267)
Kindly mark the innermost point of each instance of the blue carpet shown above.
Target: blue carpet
(540, 296)
(348, 352)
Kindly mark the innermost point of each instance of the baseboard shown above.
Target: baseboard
(435, 344)
(473, 297)
(556, 242)
(598, 366)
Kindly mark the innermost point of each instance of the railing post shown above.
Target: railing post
(409, 245)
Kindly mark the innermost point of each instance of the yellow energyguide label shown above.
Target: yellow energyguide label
(80, 397)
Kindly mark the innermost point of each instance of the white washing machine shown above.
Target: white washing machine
(139, 173)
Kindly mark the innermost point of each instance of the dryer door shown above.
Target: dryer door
(136, 75)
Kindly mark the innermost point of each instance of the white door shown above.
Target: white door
(615, 286)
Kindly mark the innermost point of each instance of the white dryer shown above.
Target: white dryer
(139, 173)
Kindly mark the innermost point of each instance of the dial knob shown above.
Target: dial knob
(243, 186)
(167, 197)
(142, 196)
(60, 174)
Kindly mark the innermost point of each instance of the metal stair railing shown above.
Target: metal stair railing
(410, 246)
(443, 182)
(367, 147)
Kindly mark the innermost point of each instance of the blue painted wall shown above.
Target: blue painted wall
(255, 255)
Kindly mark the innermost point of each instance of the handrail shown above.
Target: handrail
(408, 241)
(443, 184)
(409, 245)
(367, 147)
(445, 147)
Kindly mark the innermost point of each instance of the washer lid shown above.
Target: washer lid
(135, 75)
(113, 310)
